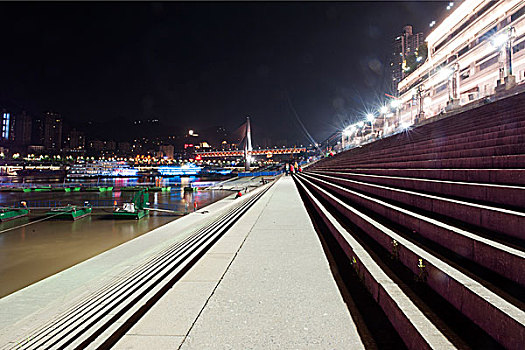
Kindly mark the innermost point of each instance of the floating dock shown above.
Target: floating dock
(98, 189)
(43, 189)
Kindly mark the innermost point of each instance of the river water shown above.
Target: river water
(31, 250)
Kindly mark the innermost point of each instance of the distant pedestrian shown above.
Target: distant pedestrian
(287, 169)
(239, 194)
(300, 169)
(291, 169)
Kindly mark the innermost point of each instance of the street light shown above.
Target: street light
(395, 103)
(349, 130)
(405, 126)
(444, 74)
(370, 117)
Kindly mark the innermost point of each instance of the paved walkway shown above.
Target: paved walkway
(266, 284)
(40, 303)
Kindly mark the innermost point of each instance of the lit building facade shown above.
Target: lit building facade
(478, 50)
(7, 126)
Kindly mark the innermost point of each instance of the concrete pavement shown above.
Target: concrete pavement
(265, 284)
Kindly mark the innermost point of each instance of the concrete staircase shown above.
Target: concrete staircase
(440, 210)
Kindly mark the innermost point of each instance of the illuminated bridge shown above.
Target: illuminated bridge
(240, 153)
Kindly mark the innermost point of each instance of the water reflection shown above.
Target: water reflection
(38, 250)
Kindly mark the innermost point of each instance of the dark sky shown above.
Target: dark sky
(194, 64)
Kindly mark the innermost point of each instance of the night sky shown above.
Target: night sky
(198, 64)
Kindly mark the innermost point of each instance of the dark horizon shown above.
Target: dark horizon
(192, 65)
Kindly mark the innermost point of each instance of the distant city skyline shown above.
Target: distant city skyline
(197, 64)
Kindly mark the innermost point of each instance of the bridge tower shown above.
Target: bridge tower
(248, 146)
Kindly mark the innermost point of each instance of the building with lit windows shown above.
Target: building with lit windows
(52, 131)
(405, 44)
(7, 126)
(475, 53)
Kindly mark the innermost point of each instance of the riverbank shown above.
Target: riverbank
(33, 248)
(43, 300)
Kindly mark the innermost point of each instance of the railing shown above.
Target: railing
(96, 204)
(85, 185)
(44, 204)
(260, 173)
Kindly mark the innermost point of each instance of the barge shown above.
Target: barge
(136, 209)
(70, 212)
(7, 214)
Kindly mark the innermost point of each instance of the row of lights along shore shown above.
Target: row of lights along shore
(389, 112)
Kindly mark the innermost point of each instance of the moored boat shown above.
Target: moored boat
(131, 188)
(43, 189)
(7, 214)
(59, 189)
(70, 212)
(136, 209)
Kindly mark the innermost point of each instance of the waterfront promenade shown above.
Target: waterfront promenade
(265, 283)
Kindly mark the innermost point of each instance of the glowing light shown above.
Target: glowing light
(444, 73)
(190, 132)
(187, 169)
(360, 124)
(370, 117)
(433, 23)
(383, 110)
(405, 126)
(427, 100)
(499, 40)
(395, 103)
(349, 130)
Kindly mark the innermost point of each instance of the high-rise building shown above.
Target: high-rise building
(76, 140)
(403, 45)
(7, 133)
(474, 54)
(23, 129)
(37, 131)
(52, 131)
